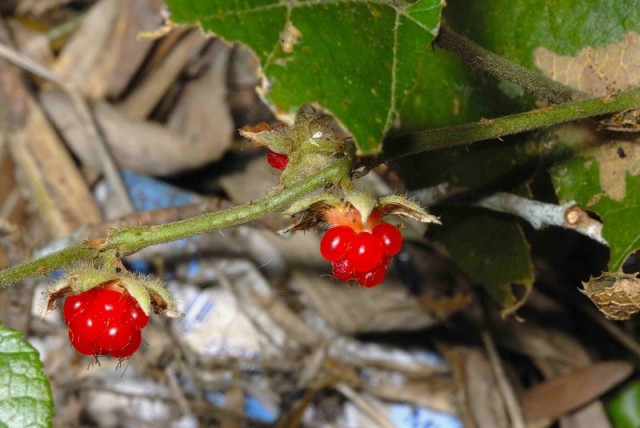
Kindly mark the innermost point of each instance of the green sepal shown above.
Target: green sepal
(364, 202)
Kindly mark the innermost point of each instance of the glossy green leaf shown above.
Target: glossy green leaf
(25, 395)
(491, 249)
(606, 180)
(356, 59)
(624, 407)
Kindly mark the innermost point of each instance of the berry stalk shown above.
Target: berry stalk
(131, 239)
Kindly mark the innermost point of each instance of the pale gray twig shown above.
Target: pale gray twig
(539, 214)
(542, 214)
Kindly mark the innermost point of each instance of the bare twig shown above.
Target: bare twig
(511, 402)
(176, 391)
(541, 214)
(371, 410)
(108, 164)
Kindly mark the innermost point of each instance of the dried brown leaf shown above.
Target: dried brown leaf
(555, 353)
(149, 148)
(104, 54)
(480, 404)
(32, 43)
(58, 189)
(155, 84)
(380, 309)
(568, 392)
(140, 146)
(201, 115)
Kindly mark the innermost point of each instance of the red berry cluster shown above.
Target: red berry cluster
(104, 321)
(363, 256)
(277, 160)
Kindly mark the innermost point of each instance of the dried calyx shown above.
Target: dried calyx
(360, 209)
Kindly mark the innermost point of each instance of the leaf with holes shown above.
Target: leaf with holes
(25, 395)
(606, 180)
(358, 60)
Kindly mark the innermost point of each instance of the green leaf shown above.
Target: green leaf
(515, 28)
(449, 92)
(356, 59)
(624, 407)
(606, 180)
(491, 249)
(552, 38)
(25, 394)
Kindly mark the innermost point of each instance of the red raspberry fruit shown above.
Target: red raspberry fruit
(128, 350)
(104, 321)
(390, 236)
(342, 270)
(359, 250)
(277, 160)
(365, 252)
(335, 242)
(373, 277)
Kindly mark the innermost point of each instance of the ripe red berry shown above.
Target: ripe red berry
(390, 236)
(111, 304)
(88, 325)
(365, 252)
(104, 321)
(131, 347)
(137, 317)
(277, 160)
(81, 345)
(335, 242)
(74, 305)
(342, 270)
(115, 337)
(373, 277)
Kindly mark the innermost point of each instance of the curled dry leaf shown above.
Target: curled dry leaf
(624, 121)
(403, 207)
(615, 294)
(276, 138)
(308, 211)
(312, 211)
